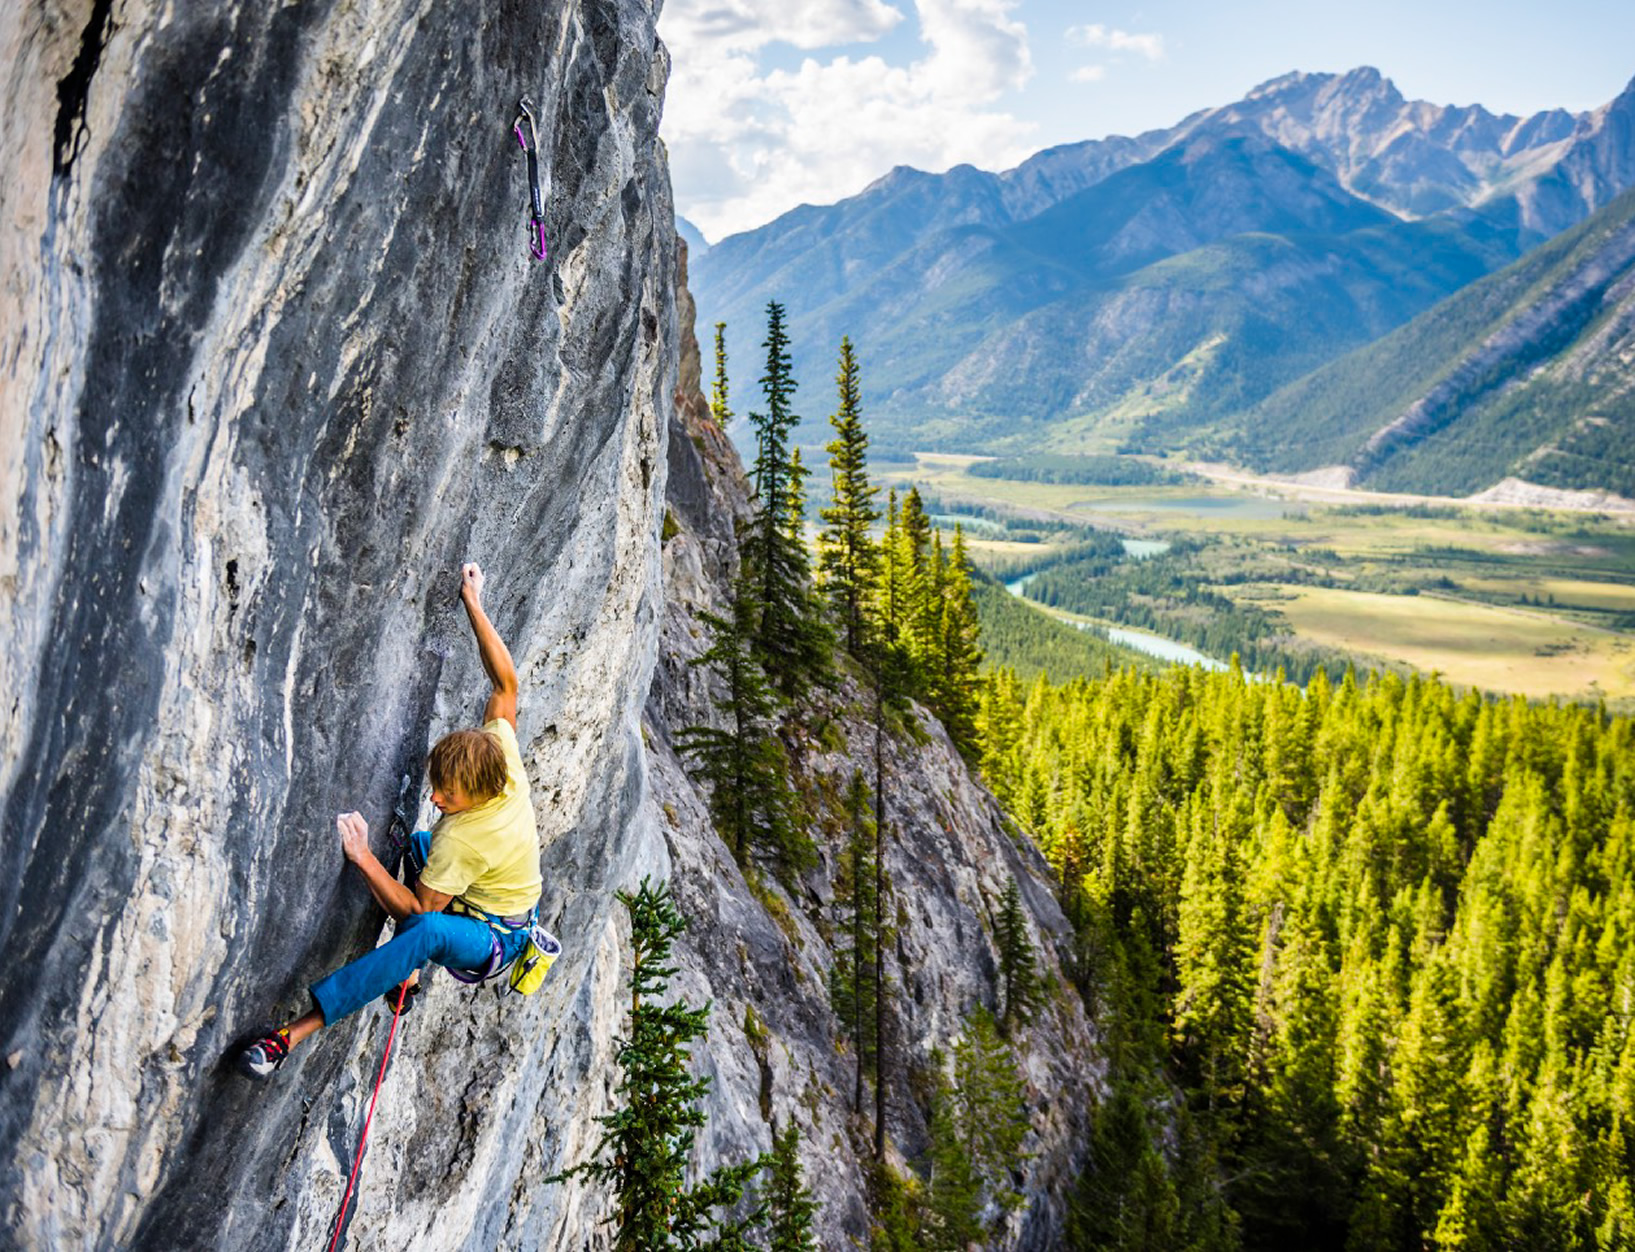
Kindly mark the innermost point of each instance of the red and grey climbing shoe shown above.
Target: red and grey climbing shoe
(266, 1054)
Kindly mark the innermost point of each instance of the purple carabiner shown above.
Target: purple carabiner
(516, 129)
(537, 234)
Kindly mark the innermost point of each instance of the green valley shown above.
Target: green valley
(1514, 600)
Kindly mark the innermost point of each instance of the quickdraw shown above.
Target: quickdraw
(536, 224)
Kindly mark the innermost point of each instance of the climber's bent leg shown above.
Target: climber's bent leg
(456, 942)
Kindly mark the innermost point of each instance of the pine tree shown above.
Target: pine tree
(719, 408)
(848, 557)
(1018, 965)
(792, 641)
(891, 598)
(648, 1139)
(754, 811)
(790, 1208)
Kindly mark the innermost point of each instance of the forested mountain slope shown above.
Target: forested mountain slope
(1529, 373)
(1378, 937)
(767, 943)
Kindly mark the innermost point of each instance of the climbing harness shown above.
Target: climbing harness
(363, 1140)
(536, 225)
(496, 963)
(528, 967)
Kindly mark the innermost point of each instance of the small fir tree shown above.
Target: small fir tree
(790, 1209)
(848, 557)
(989, 1109)
(951, 1219)
(752, 806)
(648, 1139)
(1018, 964)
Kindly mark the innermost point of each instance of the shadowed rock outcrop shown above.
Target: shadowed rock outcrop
(275, 360)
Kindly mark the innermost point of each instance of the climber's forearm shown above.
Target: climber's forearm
(390, 894)
(496, 657)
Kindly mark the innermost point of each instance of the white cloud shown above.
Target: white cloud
(753, 24)
(1098, 36)
(1089, 74)
(747, 143)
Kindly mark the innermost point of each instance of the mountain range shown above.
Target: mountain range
(1528, 373)
(1149, 293)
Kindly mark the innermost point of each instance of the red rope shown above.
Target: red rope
(357, 1161)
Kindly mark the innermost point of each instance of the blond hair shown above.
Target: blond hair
(470, 759)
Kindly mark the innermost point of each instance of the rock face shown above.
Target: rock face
(775, 1050)
(275, 361)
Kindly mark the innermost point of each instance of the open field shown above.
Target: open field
(1509, 599)
(1560, 593)
(1497, 649)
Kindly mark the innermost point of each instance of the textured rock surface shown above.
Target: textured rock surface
(274, 361)
(950, 859)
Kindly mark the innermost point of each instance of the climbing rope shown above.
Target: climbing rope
(536, 225)
(351, 1181)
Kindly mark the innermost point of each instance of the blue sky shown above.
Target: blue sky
(773, 103)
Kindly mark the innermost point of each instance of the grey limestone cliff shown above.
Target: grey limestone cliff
(275, 360)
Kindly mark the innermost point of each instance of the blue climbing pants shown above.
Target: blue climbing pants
(462, 943)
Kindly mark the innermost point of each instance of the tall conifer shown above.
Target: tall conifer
(791, 640)
(853, 989)
(720, 410)
(647, 1141)
(848, 557)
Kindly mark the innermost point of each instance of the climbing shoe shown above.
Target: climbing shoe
(390, 998)
(266, 1054)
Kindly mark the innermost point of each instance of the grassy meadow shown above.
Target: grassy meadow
(1525, 601)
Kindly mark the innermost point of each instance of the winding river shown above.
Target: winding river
(1165, 649)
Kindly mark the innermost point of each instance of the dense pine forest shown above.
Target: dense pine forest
(1363, 950)
(1380, 936)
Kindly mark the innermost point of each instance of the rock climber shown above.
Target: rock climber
(477, 887)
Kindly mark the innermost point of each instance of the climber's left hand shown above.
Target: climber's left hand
(354, 836)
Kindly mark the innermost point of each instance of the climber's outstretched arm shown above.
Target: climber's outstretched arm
(502, 702)
(391, 895)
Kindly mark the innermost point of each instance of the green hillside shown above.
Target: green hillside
(1524, 373)
(1150, 354)
(1028, 641)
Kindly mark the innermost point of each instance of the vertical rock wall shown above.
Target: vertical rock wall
(273, 361)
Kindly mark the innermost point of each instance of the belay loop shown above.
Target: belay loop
(530, 145)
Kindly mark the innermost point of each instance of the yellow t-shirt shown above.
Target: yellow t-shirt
(488, 856)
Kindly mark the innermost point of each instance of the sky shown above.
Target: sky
(776, 103)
